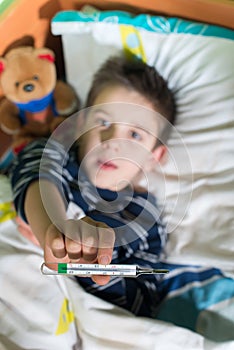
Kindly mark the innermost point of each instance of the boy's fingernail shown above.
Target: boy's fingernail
(104, 260)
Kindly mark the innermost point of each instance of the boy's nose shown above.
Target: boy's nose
(110, 136)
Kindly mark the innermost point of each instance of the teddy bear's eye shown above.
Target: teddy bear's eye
(17, 83)
(35, 77)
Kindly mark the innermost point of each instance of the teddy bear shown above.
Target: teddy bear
(34, 102)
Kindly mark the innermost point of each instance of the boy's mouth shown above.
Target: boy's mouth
(107, 165)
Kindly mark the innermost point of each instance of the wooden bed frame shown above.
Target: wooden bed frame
(18, 18)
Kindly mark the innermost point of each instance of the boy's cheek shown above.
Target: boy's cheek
(149, 165)
(135, 153)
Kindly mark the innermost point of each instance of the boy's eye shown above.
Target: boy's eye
(104, 123)
(135, 135)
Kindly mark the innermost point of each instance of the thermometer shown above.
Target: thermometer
(97, 269)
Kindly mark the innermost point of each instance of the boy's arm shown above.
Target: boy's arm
(49, 228)
(36, 214)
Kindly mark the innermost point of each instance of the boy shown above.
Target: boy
(117, 220)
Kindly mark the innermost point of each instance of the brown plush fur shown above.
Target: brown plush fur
(28, 66)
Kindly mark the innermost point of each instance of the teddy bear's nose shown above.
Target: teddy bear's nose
(28, 87)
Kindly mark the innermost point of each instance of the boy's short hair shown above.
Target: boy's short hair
(133, 74)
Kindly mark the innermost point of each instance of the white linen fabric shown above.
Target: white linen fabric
(34, 316)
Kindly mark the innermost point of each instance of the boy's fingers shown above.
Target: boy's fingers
(89, 245)
(106, 238)
(81, 239)
(55, 241)
(106, 241)
(101, 280)
(73, 248)
(73, 239)
(89, 239)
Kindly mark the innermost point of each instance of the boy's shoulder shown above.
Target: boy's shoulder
(144, 194)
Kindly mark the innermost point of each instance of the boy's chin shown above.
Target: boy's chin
(115, 187)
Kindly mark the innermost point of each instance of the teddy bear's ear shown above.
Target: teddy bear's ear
(2, 64)
(45, 54)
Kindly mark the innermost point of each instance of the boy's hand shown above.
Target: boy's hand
(83, 241)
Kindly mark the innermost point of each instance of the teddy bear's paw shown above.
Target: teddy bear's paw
(56, 122)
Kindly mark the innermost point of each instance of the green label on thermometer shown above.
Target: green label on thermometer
(62, 268)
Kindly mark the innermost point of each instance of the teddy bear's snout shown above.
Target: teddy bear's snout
(28, 87)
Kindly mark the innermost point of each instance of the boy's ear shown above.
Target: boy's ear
(159, 153)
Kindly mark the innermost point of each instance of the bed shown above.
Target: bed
(192, 46)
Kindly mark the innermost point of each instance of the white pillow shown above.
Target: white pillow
(197, 188)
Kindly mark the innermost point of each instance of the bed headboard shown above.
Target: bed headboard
(19, 17)
(219, 12)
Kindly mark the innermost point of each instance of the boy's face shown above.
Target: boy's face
(118, 138)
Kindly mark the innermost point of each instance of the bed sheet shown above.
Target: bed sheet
(51, 312)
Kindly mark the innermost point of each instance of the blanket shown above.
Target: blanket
(54, 312)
